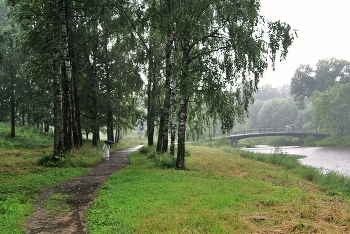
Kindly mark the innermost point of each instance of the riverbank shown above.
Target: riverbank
(332, 141)
(220, 192)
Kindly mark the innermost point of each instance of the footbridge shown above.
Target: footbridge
(261, 132)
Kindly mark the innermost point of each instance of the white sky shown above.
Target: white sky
(323, 32)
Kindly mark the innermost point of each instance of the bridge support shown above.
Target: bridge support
(234, 143)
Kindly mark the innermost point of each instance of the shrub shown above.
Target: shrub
(144, 150)
(152, 154)
(165, 160)
(48, 160)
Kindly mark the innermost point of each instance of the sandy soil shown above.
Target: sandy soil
(81, 192)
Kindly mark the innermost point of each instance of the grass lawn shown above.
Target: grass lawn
(220, 192)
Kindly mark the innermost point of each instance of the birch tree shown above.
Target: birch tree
(224, 48)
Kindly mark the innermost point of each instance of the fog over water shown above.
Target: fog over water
(328, 159)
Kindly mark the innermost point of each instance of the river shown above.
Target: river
(327, 159)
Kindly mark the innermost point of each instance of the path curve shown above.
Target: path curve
(81, 192)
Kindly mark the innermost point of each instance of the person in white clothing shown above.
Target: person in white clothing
(105, 150)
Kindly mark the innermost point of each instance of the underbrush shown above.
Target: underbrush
(161, 160)
(80, 157)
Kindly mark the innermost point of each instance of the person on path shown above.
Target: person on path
(105, 150)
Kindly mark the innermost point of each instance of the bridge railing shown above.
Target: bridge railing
(272, 130)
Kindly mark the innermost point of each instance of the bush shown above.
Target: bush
(152, 154)
(165, 160)
(144, 150)
(48, 160)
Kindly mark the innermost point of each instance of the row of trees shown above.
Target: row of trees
(70, 65)
(83, 61)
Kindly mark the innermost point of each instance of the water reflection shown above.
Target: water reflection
(326, 158)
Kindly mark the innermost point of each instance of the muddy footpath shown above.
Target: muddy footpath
(81, 194)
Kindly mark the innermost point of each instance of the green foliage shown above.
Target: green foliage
(303, 84)
(335, 184)
(332, 109)
(48, 160)
(145, 150)
(327, 73)
(332, 141)
(277, 113)
(331, 71)
(161, 160)
(304, 118)
(165, 160)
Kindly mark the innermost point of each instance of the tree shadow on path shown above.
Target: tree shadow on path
(80, 192)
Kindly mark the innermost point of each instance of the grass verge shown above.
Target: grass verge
(220, 192)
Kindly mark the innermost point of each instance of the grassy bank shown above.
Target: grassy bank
(21, 178)
(220, 192)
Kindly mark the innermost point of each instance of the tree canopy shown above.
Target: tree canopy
(327, 73)
(332, 109)
(87, 60)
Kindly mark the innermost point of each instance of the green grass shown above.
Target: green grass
(26, 137)
(220, 192)
(21, 178)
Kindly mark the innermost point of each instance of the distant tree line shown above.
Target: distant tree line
(319, 100)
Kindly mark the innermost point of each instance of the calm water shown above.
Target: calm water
(326, 158)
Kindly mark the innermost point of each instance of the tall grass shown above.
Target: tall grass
(332, 183)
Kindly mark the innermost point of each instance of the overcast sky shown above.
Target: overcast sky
(323, 32)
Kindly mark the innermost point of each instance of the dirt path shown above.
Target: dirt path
(81, 194)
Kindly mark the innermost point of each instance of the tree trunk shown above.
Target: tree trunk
(173, 100)
(13, 115)
(56, 80)
(184, 92)
(173, 119)
(76, 124)
(77, 132)
(166, 105)
(67, 84)
(94, 88)
(110, 130)
(160, 131)
(12, 103)
(95, 128)
(150, 103)
(180, 161)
